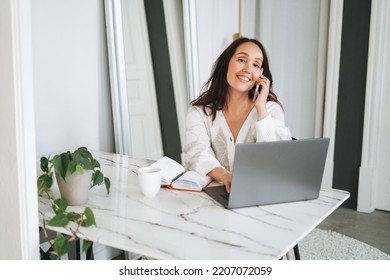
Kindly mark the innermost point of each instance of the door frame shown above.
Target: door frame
(116, 59)
(20, 239)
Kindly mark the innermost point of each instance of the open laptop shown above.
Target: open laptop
(274, 172)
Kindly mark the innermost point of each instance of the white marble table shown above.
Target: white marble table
(188, 225)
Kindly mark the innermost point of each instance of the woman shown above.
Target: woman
(230, 110)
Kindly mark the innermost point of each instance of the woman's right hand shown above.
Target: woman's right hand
(261, 100)
(221, 175)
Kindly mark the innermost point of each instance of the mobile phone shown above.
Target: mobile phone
(256, 92)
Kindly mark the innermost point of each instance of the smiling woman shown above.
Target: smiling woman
(227, 113)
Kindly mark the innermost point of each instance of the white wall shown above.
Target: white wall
(71, 84)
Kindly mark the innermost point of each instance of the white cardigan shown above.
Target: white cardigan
(210, 144)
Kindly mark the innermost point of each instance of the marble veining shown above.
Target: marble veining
(191, 225)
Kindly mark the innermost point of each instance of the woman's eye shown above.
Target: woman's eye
(256, 66)
(241, 60)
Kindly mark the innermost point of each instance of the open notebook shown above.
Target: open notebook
(174, 176)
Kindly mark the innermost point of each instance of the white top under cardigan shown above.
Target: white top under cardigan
(210, 144)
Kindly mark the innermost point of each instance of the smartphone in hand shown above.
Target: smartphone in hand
(256, 92)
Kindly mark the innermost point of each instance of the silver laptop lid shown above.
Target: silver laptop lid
(277, 172)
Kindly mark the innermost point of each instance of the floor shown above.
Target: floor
(370, 228)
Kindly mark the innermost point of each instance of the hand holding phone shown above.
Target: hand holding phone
(256, 92)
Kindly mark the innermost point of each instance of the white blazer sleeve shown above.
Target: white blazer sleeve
(198, 154)
(272, 127)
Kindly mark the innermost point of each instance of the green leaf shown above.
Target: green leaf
(90, 217)
(107, 182)
(44, 164)
(59, 205)
(86, 245)
(45, 181)
(73, 216)
(84, 157)
(61, 245)
(72, 167)
(61, 162)
(83, 151)
(95, 163)
(80, 169)
(97, 178)
(86, 163)
(59, 220)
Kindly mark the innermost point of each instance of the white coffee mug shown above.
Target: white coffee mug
(149, 180)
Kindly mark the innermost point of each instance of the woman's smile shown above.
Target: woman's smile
(243, 78)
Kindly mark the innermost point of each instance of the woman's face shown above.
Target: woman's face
(244, 67)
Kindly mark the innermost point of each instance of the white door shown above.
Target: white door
(143, 110)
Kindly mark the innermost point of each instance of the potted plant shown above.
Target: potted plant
(75, 171)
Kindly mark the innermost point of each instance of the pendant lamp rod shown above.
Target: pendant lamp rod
(239, 34)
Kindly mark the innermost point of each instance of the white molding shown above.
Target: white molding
(25, 130)
(175, 35)
(191, 48)
(22, 231)
(332, 84)
(380, 17)
(321, 67)
(116, 55)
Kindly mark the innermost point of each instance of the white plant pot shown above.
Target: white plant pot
(75, 188)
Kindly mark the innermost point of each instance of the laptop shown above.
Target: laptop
(274, 172)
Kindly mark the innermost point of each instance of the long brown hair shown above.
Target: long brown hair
(214, 91)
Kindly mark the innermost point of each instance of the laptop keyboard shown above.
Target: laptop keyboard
(225, 195)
